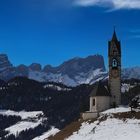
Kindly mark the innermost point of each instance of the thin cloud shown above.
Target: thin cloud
(111, 4)
(134, 33)
(136, 36)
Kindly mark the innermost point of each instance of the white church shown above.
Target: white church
(104, 97)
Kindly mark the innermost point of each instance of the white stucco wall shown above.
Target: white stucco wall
(101, 103)
(89, 115)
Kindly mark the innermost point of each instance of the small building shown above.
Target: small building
(100, 99)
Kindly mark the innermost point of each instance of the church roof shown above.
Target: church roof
(114, 37)
(100, 90)
(116, 41)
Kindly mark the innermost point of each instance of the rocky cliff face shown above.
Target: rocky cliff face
(72, 72)
(35, 67)
(6, 68)
(129, 73)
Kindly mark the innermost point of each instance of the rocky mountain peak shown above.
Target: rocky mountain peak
(72, 72)
(4, 63)
(35, 67)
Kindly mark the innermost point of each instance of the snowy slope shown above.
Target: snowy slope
(28, 120)
(20, 126)
(22, 114)
(89, 77)
(129, 73)
(51, 77)
(53, 131)
(109, 129)
(117, 110)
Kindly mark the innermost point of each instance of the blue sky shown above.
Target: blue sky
(53, 31)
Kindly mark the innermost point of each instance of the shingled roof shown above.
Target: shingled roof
(99, 90)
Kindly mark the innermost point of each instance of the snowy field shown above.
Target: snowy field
(22, 114)
(51, 132)
(110, 129)
(29, 120)
(25, 123)
(20, 126)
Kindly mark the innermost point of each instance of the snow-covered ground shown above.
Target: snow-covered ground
(51, 132)
(20, 126)
(126, 87)
(28, 120)
(56, 87)
(117, 110)
(22, 114)
(109, 129)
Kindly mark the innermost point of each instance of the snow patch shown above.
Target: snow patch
(88, 77)
(56, 87)
(53, 131)
(117, 110)
(23, 125)
(22, 114)
(126, 87)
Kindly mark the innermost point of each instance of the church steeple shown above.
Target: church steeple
(114, 42)
(114, 37)
(114, 59)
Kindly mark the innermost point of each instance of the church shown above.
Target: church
(104, 97)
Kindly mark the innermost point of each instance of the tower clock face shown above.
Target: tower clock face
(114, 63)
(115, 73)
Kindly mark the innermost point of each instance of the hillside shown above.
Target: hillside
(42, 109)
(60, 104)
(116, 124)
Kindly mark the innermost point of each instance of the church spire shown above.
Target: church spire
(114, 37)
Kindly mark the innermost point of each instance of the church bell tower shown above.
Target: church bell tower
(114, 57)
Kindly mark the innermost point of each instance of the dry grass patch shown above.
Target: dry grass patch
(67, 131)
(127, 115)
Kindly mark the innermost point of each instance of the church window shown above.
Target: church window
(93, 102)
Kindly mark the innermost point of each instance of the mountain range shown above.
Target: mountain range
(73, 72)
